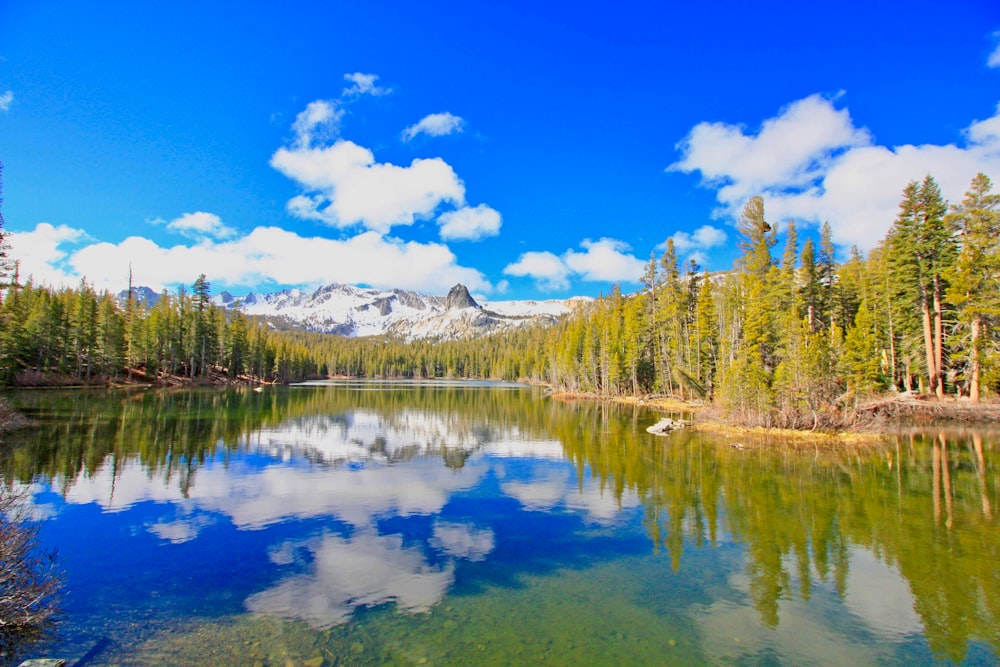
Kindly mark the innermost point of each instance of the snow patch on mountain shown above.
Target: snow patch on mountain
(355, 312)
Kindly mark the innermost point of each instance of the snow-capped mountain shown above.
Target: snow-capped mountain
(354, 311)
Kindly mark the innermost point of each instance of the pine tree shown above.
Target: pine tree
(706, 335)
(973, 288)
(204, 330)
(921, 249)
(755, 265)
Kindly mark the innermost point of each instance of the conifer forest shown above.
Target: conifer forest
(791, 336)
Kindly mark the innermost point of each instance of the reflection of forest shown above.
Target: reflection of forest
(925, 505)
(173, 433)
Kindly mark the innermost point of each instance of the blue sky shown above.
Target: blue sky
(526, 149)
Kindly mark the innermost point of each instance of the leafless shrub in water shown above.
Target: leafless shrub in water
(30, 583)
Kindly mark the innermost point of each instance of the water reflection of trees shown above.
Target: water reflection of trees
(173, 433)
(924, 505)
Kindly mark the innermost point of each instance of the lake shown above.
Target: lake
(457, 523)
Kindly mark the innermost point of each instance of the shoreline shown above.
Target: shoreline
(887, 416)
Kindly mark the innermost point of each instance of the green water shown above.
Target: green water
(443, 523)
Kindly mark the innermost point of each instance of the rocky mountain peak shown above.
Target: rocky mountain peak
(459, 297)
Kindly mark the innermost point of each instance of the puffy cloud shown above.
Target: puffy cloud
(792, 149)
(694, 245)
(811, 163)
(319, 121)
(363, 84)
(702, 238)
(994, 58)
(545, 267)
(6, 99)
(42, 253)
(266, 255)
(345, 186)
(435, 125)
(469, 223)
(605, 260)
(201, 225)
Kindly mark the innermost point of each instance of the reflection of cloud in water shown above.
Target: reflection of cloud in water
(355, 496)
(35, 510)
(601, 505)
(180, 530)
(556, 486)
(878, 594)
(402, 472)
(365, 570)
(254, 498)
(362, 436)
(462, 540)
(533, 449)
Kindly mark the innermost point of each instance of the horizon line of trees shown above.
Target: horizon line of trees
(791, 340)
(84, 335)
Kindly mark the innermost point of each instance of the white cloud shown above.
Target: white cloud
(606, 260)
(703, 238)
(545, 267)
(201, 225)
(42, 253)
(363, 84)
(811, 163)
(6, 99)
(793, 149)
(994, 58)
(470, 223)
(319, 121)
(435, 125)
(695, 245)
(345, 186)
(266, 255)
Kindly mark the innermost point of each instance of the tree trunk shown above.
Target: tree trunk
(925, 316)
(938, 341)
(974, 366)
(892, 342)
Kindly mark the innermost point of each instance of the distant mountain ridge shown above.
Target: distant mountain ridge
(356, 312)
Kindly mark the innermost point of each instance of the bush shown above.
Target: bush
(30, 583)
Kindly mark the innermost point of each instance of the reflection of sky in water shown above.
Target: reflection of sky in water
(320, 516)
(364, 472)
(366, 569)
(878, 601)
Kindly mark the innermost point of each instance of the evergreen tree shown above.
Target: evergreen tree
(921, 248)
(972, 279)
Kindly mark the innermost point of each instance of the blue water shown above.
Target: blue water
(461, 524)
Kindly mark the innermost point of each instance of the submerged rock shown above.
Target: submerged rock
(665, 426)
